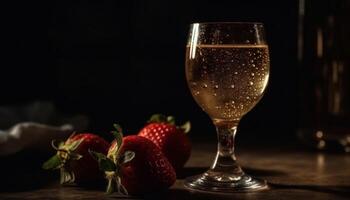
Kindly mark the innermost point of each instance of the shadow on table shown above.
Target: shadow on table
(342, 191)
(22, 173)
(263, 172)
(183, 194)
(190, 171)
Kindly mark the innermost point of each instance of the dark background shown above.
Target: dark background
(121, 61)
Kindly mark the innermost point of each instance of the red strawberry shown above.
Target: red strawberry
(134, 165)
(172, 140)
(74, 160)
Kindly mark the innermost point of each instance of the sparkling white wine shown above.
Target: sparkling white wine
(227, 80)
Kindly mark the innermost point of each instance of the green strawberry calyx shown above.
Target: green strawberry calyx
(113, 153)
(65, 154)
(113, 162)
(160, 118)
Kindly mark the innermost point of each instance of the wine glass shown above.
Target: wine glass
(227, 71)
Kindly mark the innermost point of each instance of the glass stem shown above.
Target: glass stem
(225, 161)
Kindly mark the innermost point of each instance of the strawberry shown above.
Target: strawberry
(73, 158)
(134, 165)
(171, 139)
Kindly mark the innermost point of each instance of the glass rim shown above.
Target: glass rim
(226, 22)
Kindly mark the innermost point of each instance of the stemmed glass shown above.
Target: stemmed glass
(227, 71)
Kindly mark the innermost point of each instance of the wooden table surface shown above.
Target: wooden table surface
(292, 172)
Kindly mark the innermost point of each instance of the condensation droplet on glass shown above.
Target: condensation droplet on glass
(232, 86)
(205, 85)
(216, 86)
(215, 94)
(252, 74)
(196, 93)
(248, 97)
(253, 65)
(232, 102)
(251, 83)
(236, 73)
(247, 41)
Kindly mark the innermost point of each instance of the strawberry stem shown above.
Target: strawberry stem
(118, 130)
(111, 185)
(170, 120)
(118, 134)
(115, 184)
(186, 127)
(155, 118)
(54, 162)
(54, 145)
(104, 163)
(160, 118)
(66, 176)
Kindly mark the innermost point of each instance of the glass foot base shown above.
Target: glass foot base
(225, 183)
